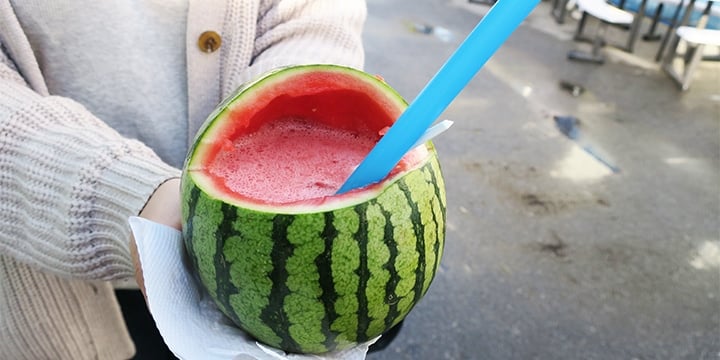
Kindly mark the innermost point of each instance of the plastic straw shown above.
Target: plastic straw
(492, 31)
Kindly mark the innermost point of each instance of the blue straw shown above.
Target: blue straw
(492, 31)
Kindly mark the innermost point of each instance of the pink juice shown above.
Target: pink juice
(290, 160)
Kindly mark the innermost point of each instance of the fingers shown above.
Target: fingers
(138, 269)
(163, 206)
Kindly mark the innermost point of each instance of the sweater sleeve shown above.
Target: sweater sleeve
(291, 32)
(68, 183)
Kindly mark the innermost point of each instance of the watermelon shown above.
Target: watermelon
(288, 261)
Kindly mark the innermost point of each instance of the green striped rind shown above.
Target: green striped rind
(318, 282)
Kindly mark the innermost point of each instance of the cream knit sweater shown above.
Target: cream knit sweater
(68, 181)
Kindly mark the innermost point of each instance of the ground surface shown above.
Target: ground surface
(549, 254)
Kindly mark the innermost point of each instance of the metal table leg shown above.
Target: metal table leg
(670, 32)
(559, 10)
(635, 27)
(651, 35)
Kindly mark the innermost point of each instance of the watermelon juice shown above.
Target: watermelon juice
(290, 160)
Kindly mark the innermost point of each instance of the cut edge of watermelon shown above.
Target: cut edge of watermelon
(243, 101)
(415, 159)
(234, 117)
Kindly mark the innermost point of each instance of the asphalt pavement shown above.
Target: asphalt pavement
(604, 244)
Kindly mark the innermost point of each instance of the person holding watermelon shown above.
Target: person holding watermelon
(98, 103)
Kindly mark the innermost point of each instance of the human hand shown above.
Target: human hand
(163, 207)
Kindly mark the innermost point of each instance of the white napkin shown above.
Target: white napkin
(188, 320)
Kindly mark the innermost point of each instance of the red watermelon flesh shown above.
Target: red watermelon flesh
(303, 142)
(291, 160)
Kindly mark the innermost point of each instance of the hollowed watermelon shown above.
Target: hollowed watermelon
(309, 271)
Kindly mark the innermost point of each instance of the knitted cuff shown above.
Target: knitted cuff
(69, 184)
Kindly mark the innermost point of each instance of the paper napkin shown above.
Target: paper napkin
(188, 320)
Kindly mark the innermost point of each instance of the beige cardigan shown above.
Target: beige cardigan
(68, 182)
